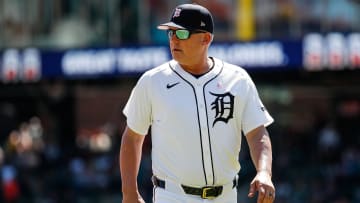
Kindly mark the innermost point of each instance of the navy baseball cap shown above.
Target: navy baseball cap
(190, 17)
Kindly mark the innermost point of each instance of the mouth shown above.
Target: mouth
(176, 50)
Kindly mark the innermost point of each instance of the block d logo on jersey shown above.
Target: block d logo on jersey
(223, 106)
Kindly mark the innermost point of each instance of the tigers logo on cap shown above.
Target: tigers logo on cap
(177, 12)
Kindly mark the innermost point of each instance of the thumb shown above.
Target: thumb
(252, 189)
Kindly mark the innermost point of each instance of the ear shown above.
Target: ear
(206, 39)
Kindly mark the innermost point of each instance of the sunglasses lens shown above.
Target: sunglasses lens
(182, 34)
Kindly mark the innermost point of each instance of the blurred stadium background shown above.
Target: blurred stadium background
(68, 66)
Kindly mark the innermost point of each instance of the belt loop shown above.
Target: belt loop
(153, 180)
(157, 182)
(236, 181)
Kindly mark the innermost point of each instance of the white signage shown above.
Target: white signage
(333, 51)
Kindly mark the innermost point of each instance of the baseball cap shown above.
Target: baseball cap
(190, 17)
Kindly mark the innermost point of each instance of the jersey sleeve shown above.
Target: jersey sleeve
(138, 107)
(254, 113)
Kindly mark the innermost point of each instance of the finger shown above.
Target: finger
(261, 195)
(270, 196)
(252, 189)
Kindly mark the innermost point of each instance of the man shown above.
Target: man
(197, 107)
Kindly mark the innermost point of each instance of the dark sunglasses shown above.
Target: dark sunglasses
(183, 34)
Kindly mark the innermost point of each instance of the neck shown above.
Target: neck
(198, 68)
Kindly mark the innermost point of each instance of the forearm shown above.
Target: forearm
(130, 157)
(261, 150)
(261, 155)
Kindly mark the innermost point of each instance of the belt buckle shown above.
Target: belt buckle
(205, 195)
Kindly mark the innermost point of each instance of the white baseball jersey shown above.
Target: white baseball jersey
(196, 123)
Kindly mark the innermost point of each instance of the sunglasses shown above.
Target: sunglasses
(183, 34)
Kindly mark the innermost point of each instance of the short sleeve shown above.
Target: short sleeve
(138, 108)
(254, 113)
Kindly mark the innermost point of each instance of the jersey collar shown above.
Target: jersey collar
(218, 65)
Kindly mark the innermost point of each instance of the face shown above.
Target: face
(188, 47)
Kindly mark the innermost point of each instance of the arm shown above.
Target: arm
(130, 157)
(261, 155)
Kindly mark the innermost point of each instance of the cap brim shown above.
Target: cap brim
(165, 26)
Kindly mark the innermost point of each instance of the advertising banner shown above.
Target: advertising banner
(315, 52)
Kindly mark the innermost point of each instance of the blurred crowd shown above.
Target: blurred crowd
(36, 169)
(84, 23)
(44, 157)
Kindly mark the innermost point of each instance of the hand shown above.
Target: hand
(132, 199)
(263, 184)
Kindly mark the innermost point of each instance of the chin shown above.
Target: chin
(176, 56)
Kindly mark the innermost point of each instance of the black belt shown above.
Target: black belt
(207, 192)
